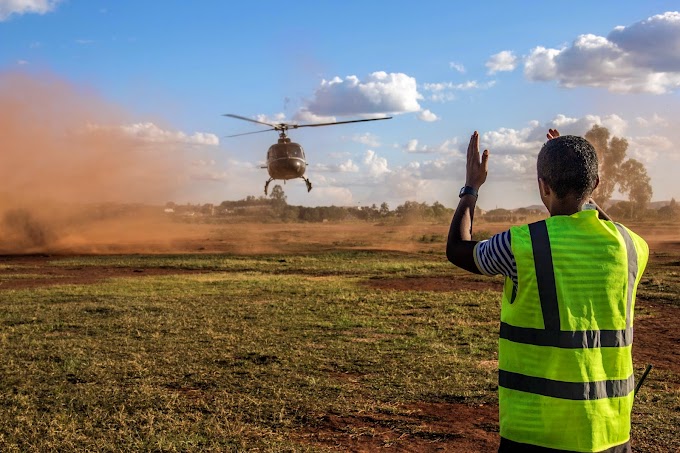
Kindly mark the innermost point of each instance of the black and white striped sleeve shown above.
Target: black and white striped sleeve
(495, 257)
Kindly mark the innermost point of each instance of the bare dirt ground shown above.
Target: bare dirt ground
(419, 427)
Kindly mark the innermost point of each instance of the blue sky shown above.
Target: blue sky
(440, 68)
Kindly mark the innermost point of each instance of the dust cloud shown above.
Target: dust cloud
(71, 180)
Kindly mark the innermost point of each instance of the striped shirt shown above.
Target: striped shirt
(495, 257)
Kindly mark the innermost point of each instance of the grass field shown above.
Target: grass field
(339, 350)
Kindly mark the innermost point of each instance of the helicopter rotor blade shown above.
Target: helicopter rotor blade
(249, 133)
(230, 115)
(295, 126)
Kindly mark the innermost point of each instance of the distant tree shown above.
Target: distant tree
(636, 183)
(671, 211)
(622, 210)
(384, 209)
(614, 170)
(439, 211)
(278, 194)
(412, 211)
(499, 215)
(610, 155)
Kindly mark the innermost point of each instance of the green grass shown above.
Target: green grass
(243, 355)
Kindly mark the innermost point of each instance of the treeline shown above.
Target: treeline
(275, 208)
(629, 210)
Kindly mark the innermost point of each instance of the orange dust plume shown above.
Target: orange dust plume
(71, 178)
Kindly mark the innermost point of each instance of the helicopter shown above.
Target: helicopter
(286, 159)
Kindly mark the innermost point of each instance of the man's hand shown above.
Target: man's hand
(477, 168)
(552, 133)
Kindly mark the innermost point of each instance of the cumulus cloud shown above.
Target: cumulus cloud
(445, 91)
(647, 148)
(655, 120)
(305, 116)
(642, 57)
(367, 139)
(274, 119)
(150, 132)
(528, 140)
(378, 94)
(19, 7)
(344, 167)
(376, 166)
(427, 116)
(449, 146)
(502, 61)
(329, 196)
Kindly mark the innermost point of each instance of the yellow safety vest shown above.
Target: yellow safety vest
(565, 365)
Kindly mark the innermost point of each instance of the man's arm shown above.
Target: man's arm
(460, 246)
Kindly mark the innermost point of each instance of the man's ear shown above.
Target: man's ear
(597, 183)
(544, 188)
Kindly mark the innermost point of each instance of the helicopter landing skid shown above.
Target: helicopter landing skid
(307, 182)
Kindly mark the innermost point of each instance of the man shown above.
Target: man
(564, 355)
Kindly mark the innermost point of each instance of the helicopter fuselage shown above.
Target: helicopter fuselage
(286, 160)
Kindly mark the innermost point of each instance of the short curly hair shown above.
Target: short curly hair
(568, 164)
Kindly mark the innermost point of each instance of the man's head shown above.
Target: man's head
(568, 165)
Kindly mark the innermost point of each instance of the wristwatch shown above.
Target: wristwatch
(467, 190)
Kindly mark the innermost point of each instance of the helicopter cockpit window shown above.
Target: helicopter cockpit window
(295, 152)
(279, 152)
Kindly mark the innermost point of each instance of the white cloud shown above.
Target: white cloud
(149, 132)
(22, 62)
(450, 147)
(647, 148)
(427, 116)
(274, 119)
(329, 196)
(380, 93)
(19, 7)
(457, 67)
(528, 140)
(375, 165)
(305, 116)
(345, 167)
(367, 139)
(655, 120)
(642, 57)
(445, 91)
(502, 61)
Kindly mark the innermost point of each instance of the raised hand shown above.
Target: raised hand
(477, 168)
(552, 133)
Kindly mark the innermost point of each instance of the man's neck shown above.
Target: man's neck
(565, 206)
